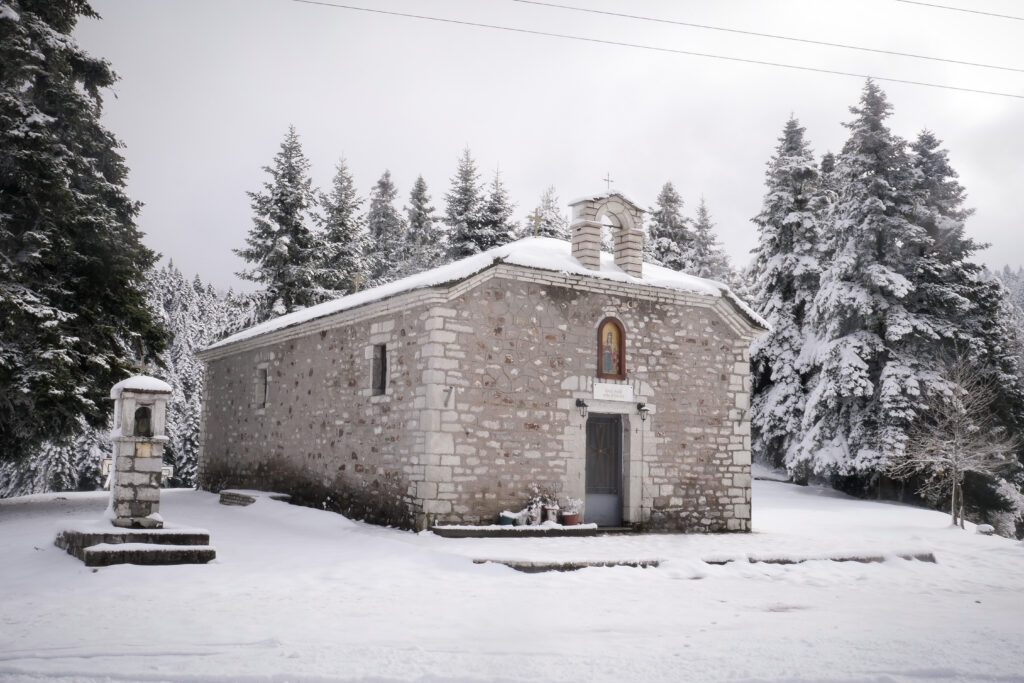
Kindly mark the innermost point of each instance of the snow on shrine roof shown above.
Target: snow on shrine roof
(604, 194)
(140, 383)
(542, 253)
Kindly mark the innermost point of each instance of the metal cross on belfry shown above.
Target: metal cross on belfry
(608, 179)
(536, 220)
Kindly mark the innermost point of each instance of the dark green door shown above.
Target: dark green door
(604, 470)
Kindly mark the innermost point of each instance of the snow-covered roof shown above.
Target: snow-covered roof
(140, 383)
(605, 194)
(543, 253)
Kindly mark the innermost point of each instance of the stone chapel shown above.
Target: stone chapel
(445, 397)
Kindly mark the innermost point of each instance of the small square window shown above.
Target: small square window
(380, 369)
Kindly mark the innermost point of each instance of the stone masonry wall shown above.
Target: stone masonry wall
(322, 434)
(520, 353)
(480, 406)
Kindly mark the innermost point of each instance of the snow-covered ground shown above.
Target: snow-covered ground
(301, 595)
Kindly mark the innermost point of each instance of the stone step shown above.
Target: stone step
(539, 531)
(536, 567)
(106, 554)
(76, 540)
(495, 531)
(246, 497)
(863, 559)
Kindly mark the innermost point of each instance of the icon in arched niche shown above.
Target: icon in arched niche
(143, 422)
(611, 346)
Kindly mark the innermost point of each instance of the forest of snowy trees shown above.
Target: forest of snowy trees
(307, 246)
(866, 274)
(864, 269)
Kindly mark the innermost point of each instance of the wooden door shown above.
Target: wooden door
(604, 470)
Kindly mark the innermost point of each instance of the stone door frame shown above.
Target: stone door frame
(637, 437)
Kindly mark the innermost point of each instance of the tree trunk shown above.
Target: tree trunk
(952, 504)
(961, 497)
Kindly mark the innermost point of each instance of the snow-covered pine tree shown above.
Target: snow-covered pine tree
(970, 310)
(496, 224)
(1013, 280)
(827, 178)
(283, 248)
(68, 464)
(670, 238)
(189, 312)
(708, 257)
(463, 207)
(550, 221)
(784, 280)
(72, 261)
(344, 236)
(385, 246)
(196, 316)
(867, 376)
(424, 246)
(236, 311)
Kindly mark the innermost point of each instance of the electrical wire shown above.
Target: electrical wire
(767, 35)
(962, 9)
(655, 48)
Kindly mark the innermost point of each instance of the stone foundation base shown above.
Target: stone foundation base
(137, 523)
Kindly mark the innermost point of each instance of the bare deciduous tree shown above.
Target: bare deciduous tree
(956, 433)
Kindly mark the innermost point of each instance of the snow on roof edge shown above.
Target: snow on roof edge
(543, 253)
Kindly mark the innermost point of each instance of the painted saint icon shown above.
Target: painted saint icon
(610, 351)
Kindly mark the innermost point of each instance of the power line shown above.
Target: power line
(767, 35)
(655, 48)
(962, 9)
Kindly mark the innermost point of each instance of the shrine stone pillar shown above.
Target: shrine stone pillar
(140, 409)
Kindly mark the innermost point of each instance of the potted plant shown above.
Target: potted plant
(551, 512)
(543, 505)
(571, 512)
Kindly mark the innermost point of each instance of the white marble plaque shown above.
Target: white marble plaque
(612, 392)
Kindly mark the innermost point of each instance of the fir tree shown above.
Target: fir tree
(708, 257)
(463, 207)
(196, 316)
(670, 238)
(424, 240)
(549, 221)
(72, 261)
(784, 280)
(968, 309)
(282, 247)
(70, 463)
(496, 224)
(867, 371)
(343, 235)
(1013, 280)
(387, 232)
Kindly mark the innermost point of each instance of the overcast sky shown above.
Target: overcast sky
(208, 89)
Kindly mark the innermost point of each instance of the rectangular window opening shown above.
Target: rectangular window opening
(261, 388)
(380, 369)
